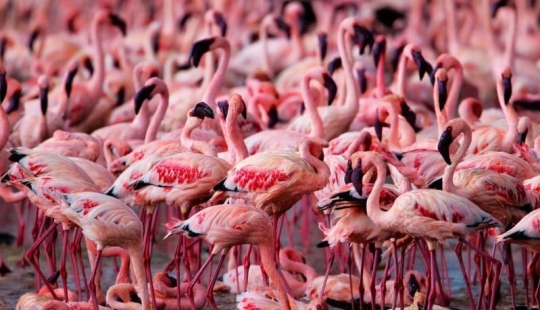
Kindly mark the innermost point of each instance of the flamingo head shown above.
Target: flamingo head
(146, 92)
(421, 63)
(330, 86)
(409, 115)
(117, 21)
(379, 48)
(334, 64)
(323, 44)
(34, 33)
(523, 129)
(445, 141)
(362, 79)
(506, 79)
(199, 48)
(357, 175)
(363, 37)
(282, 25)
(442, 81)
(396, 55)
(43, 84)
(202, 110)
(378, 125)
(183, 20)
(70, 76)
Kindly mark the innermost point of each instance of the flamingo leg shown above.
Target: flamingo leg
(458, 251)
(189, 291)
(63, 271)
(508, 260)
(494, 262)
(78, 256)
(92, 284)
(329, 263)
(398, 283)
(525, 258)
(175, 263)
(49, 250)
(445, 277)
(147, 255)
(361, 286)
(535, 258)
(209, 292)
(246, 266)
(35, 260)
(74, 267)
(383, 282)
(20, 229)
(432, 291)
(412, 254)
(372, 289)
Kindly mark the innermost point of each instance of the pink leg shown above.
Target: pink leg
(509, 262)
(329, 263)
(74, 267)
(77, 239)
(63, 272)
(458, 249)
(372, 289)
(398, 281)
(209, 292)
(189, 291)
(494, 262)
(524, 259)
(432, 283)
(535, 258)
(412, 255)
(35, 261)
(92, 284)
(49, 249)
(277, 230)
(246, 267)
(147, 256)
(445, 278)
(20, 230)
(383, 282)
(361, 271)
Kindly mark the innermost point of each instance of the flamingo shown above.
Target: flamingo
(224, 226)
(447, 215)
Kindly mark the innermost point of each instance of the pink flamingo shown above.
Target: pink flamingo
(225, 226)
(108, 222)
(501, 195)
(165, 290)
(142, 126)
(336, 119)
(272, 139)
(83, 97)
(447, 215)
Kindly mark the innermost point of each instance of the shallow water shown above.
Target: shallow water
(21, 280)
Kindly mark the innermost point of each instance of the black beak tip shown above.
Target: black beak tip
(117, 21)
(331, 86)
(198, 49)
(143, 94)
(223, 107)
(244, 110)
(203, 110)
(356, 177)
(323, 44)
(378, 127)
(222, 24)
(283, 26)
(444, 145)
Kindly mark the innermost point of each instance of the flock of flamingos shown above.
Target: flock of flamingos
(393, 129)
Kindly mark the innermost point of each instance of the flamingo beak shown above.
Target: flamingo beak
(396, 54)
(432, 75)
(3, 86)
(348, 172)
(522, 136)
(409, 115)
(33, 36)
(222, 24)
(412, 285)
(68, 86)
(143, 94)
(44, 99)
(89, 66)
(334, 64)
(496, 6)
(507, 86)
(117, 21)
(378, 127)
(198, 49)
(223, 107)
(362, 80)
(202, 110)
(155, 43)
(120, 96)
(331, 87)
(71, 22)
(364, 38)
(378, 50)
(54, 277)
(423, 66)
(14, 102)
(356, 177)
(444, 145)
(443, 93)
(184, 19)
(3, 43)
(323, 44)
(273, 117)
(283, 26)
(244, 109)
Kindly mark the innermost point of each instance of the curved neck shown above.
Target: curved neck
(322, 170)
(95, 84)
(512, 120)
(155, 122)
(344, 48)
(234, 139)
(402, 75)
(214, 86)
(269, 264)
(296, 40)
(381, 89)
(135, 254)
(483, 10)
(448, 176)
(373, 208)
(455, 89)
(263, 35)
(317, 128)
(168, 17)
(510, 42)
(194, 145)
(304, 269)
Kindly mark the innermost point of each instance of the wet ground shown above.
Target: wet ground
(21, 280)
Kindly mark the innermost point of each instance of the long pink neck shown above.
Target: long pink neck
(257, 103)
(448, 176)
(373, 208)
(194, 145)
(360, 140)
(317, 128)
(95, 85)
(350, 106)
(304, 269)
(441, 116)
(381, 89)
(155, 122)
(214, 86)
(269, 264)
(4, 127)
(402, 75)
(322, 170)
(511, 118)
(510, 44)
(169, 25)
(455, 89)
(234, 139)
(263, 35)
